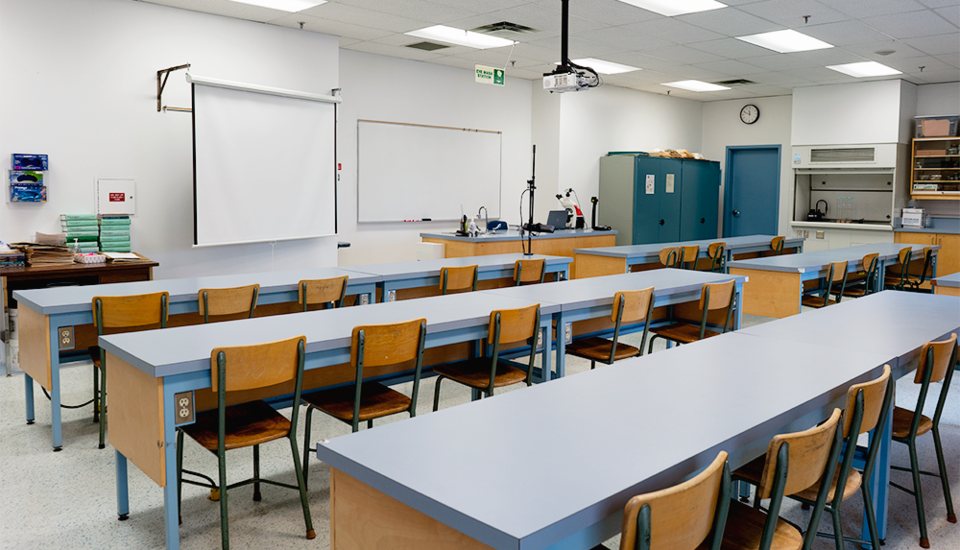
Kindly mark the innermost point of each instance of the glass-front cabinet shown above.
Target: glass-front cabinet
(935, 168)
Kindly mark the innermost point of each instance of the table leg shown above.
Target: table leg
(547, 362)
(28, 397)
(738, 301)
(123, 496)
(880, 481)
(561, 346)
(55, 418)
(171, 505)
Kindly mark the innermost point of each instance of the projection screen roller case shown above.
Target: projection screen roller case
(264, 163)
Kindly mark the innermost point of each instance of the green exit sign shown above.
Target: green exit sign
(489, 75)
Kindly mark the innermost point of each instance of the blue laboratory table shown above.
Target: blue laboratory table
(777, 282)
(675, 403)
(948, 284)
(611, 260)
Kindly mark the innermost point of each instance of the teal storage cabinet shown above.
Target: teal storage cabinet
(657, 200)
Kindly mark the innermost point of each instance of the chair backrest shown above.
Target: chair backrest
(529, 271)
(515, 325)
(926, 264)
(874, 392)
(689, 254)
(458, 278)
(904, 258)
(670, 256)
(941, 359)
(228, 301)
(807, 455)
(838, 272)
(720, 295)
(679, 517)
(716, 251)
(387, 344)
(257, 366)
(636, 305)
(870, 263)
(322, 291)
(127, 312)
(776, 244)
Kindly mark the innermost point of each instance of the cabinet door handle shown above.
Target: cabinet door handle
(661, 222)
(703, 220)
(736, 212)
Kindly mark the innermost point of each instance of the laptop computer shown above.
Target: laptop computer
(558, 219)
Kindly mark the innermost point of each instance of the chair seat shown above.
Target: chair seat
(751, 471)
(598, 349)
(815, 301)
(891, 280)
(685, 333)
(476, 373)
(850, 488)
(855, 292)
(903, 418)
(247, 424)
(376, 401)
(745, 527)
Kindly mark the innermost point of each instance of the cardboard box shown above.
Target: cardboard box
(28, 193)
(26, 177)
(931, 152)
(937, 126)
(29, 162)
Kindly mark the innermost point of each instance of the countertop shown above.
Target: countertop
(513, 235)
(936, 225)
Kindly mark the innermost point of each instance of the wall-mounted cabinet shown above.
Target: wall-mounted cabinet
(935, 168)
(656, 200)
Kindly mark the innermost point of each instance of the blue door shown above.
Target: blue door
(752, 191)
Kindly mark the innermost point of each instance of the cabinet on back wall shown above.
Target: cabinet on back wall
(659, 200)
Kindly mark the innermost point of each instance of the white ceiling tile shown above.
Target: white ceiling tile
(789, 61)
(643, 61)
(823, 75)
(482, 7)
(911, 25)
(683, 54)
(609, 12)
(730, 22)
(344, 41)
(417, 9)
(951, 14)
(697, 72)
(936, 45)
(625, 39)
(731, 48)
(578, 47)
(782, 79)
(790, 13)
(939, 76)
(952, 59)
(844, 32)
(938, 3)
(765, 90)
(731, 67)
(912, 65)
(367, 18)
(899, 48)
(539, 53)
(670, 28)
(861, 9)
(225, 8)
(325, 26)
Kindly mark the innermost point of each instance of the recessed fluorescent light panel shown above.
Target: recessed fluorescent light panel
(285, 5)
(605, 67)
(675, 7)
(787, 41)
(695, 86)
(864, 69)
(461, 37)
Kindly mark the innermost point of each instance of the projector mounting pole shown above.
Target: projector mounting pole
(531, 187)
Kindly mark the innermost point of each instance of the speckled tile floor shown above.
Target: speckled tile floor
(67, 500)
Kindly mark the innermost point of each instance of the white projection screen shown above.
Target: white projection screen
(264, 166)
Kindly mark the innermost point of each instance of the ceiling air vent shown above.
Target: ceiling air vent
(504, 27)
(735, 82)
(858, 154)
(427, 46)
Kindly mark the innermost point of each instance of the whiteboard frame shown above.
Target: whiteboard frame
(457, 219)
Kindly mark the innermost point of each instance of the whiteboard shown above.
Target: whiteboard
(416, 172)
(264, 166)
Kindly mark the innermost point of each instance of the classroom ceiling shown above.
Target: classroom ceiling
(921, 38)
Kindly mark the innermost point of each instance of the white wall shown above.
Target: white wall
(78, 82)
(431, 94)
(847, 114)
(722, 128)
(938, 99)
(609, 118)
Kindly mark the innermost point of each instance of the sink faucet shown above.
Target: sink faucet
(486, 219)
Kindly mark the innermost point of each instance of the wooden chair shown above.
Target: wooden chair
(250, 424)
(867, 407)
(453, 279)
(776, 245)
(896, 281)
(228, 301)
(793, 463)
(836, 277)
(115, 314)
(670, 256)
(717, 254)
(630, 306)
(687, 516)
(689, 256)
(936, 363)
(864, 282)
(713, 296)
(914, 282)
(529, 271)
(507, 326)
(325, 292)
(372, 346)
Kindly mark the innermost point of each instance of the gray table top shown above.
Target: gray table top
(431, 268)
(952, 280)
(514, 235)
(819, 260)
(49, 301)
(604, 424)
(652, 250)
(599, 291)
(891, 323)
(187, 349)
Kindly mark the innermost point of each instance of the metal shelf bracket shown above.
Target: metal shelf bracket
(162, 75)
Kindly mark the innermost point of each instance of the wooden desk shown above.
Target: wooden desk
(777, 283)
(23, 278)
(611, 260)
(561, 243)
(416, 495)
(947, 284)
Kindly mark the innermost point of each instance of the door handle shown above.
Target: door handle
(661, 222)
(736, 212)
(703, 220)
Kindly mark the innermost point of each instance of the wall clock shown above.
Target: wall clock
(749, 114)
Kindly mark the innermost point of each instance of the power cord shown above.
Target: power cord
(62, 406)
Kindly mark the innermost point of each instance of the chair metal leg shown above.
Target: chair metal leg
(256, 473)
(652, 339)
(103, 406)
(917, 491)
(369, 423)
(837, 525)
(224, 525)
(436, 394)
(306, 446)
(96, 394)
(180, 475)
(302, 484)
(871, 516)
(951, 516)
(593, 365)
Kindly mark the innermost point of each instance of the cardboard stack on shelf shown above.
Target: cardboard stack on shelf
(114, 233)
(81, 229)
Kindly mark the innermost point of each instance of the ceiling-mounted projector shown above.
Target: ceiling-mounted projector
(568, 76)
(567, 82)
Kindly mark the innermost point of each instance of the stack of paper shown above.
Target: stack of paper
(44, 254)
(81, 229)
(114, 233)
